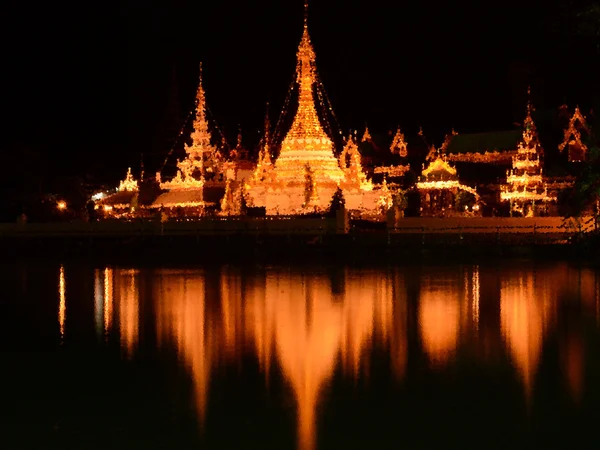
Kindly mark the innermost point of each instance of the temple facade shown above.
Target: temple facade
(306, 174)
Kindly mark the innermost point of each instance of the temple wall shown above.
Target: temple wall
(488, 224)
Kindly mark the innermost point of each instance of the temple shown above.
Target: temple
(200, 182)
(525, 188)
(306, 174)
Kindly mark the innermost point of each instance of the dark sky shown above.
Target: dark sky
(90, 85)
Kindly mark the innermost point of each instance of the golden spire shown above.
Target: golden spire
(200, 136)
(265, 152)
(306, 123)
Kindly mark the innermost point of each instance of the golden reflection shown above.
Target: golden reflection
(293, 316)
(182, 317)
(439, 319)
(108, 300)
(525, 313)
(476, 294)
(128, 309)
(62, 306)
(309, 326)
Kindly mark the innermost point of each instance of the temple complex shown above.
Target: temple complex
(306, 174)
(200, 181)
(525, 188)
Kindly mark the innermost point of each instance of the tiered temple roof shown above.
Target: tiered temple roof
(525, 185)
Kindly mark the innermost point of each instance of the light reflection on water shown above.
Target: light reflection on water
(310, 325)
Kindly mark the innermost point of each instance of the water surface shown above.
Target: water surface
(307, 358)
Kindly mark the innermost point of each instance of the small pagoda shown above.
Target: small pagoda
(442, 194)
(200, 181)
(573, 139)
(525, 188)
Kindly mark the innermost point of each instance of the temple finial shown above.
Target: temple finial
(305, 14)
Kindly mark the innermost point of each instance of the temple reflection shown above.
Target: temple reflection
(312, 324)
(182, 318)
(128, 301)
(62, 305)
(526, 314)
(439, 318)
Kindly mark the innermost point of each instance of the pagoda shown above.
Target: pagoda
(306, 173)
(525, 188)
(200, 181)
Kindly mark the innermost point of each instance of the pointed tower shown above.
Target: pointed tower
(306, 143)
(306, 149)
(350, 161)
(525, 188)
(201, 161)
(366, 136)
(264, 166)
(577, 150)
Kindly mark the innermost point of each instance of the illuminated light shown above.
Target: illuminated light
(62, 306)
(107, 208)
(98, 196)
(392, 171)
(61, 205)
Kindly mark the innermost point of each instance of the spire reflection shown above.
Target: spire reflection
(62, 305)
(524, 315)
(182, 317)
(293, 316)
(439, 319)
(128, 295)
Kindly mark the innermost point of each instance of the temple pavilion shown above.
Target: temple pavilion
(306, 174)
(123, 202)
(200, 181)
(442, 194)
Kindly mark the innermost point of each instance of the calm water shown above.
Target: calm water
(453, 356)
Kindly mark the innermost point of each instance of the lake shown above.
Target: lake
(495, 355)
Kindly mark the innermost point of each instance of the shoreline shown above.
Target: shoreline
(356, 249)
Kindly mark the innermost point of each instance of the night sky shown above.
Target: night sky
(93, 86)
